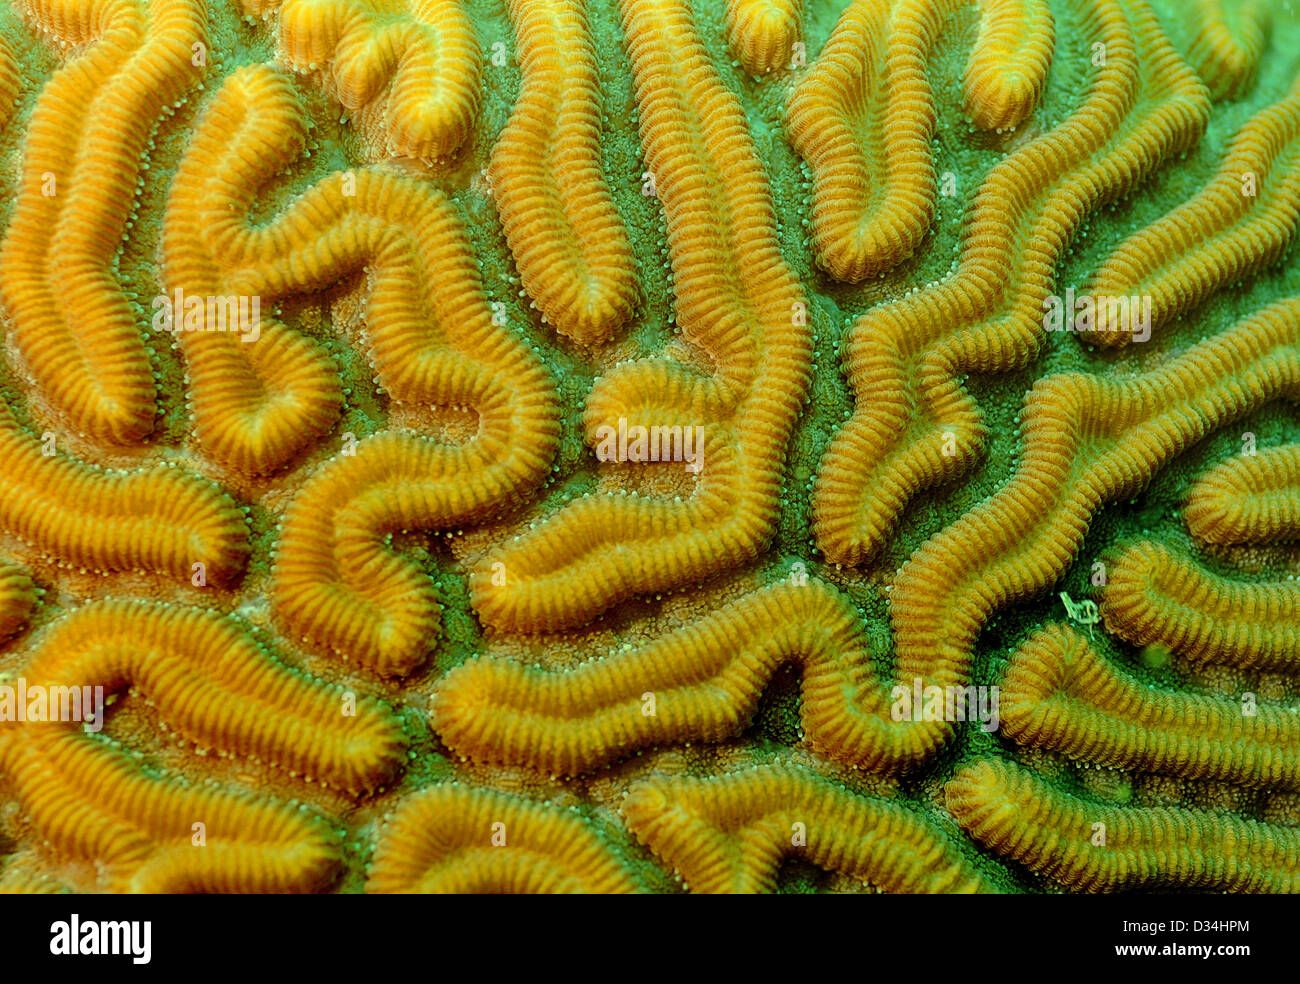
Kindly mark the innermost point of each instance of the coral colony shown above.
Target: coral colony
(648, 446)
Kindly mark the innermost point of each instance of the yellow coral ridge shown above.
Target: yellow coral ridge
(705, 679)
(70, 320)
(1248, 499)
(9, 82)
(79, 22)
(159, 520)
(432, 340)
(91, 805)
(863, 118)
(1241, 222)
(914, 424)
(1008, 65)
(737, 299)
(1059, 693)
(414, 62)
(729, 834)
(430, 328)
(459, 840)
(570, 244)
(340, 585)
(214, 685)
(258, 397)
(1061, 836)
(17, 599)
(1154, 595)
(1230, 40)
(1087, 440)
(762, 33)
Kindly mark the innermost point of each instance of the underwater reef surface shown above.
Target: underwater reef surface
(649, 446)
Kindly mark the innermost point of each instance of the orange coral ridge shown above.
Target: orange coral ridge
(873, 196)
(736, 299)
(868, 90)
(1226, 50)
(458, 840)
(730, 833)
(423, 53)
(914, 424)
(706, 679)
(17, 599)
(256, 403)
(1218, 237)
(1252, 499)
(90, 804)
(762, 33)
(161, 520)
(432, 341)
(570, 244)
(1153, 595)
(216, 686)
(1059, 693)
(1024, 818)
(70, 320)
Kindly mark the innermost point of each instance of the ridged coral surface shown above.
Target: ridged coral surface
(649, 446)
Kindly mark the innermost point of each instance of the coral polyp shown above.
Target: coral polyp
(649, 446)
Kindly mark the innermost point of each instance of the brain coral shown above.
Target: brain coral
(649, 446)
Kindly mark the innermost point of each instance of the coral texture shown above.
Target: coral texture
(649, 446)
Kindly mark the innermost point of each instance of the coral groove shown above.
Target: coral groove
(256, 403)
(215, 685)
(414, 65)
(1230, 40)
(1087, 441)
(432, 340)
(706, 678)
(92, 805)
(17, 599)
(762, 33)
